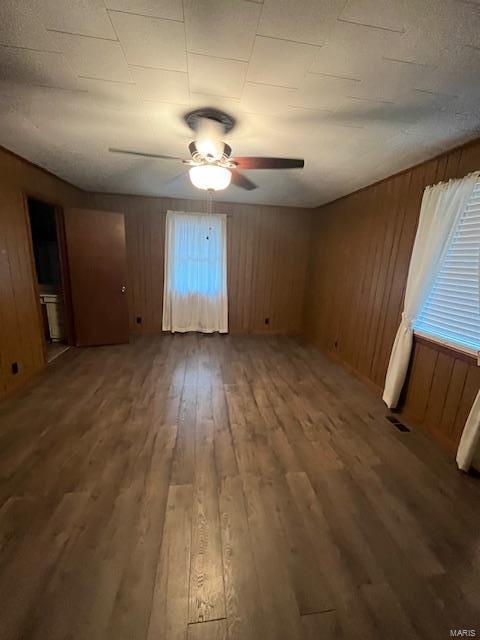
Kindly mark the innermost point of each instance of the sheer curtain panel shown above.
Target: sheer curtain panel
(468, 452)
(442, 206)
(195, 286)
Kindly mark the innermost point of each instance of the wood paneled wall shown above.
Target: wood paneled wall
(267, 260)
(361, 247)
(20, 329)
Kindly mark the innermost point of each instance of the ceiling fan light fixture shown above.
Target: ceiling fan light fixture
(210, 177)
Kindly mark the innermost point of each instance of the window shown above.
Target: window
(197, 255)
(195, 287)
(451, 312)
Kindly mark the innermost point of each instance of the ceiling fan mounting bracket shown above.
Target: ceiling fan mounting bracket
(192, 118)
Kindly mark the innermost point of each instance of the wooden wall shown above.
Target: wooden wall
(361, 247)
(267, 260)
(20, 329)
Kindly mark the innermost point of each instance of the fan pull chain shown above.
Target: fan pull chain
(210, 193)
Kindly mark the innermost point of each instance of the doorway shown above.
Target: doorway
(44, 227)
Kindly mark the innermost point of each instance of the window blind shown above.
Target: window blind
(451, 312)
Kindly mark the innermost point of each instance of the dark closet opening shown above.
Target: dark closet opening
(48, 268)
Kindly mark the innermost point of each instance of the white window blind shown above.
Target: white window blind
(451, 312)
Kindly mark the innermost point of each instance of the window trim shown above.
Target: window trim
(457, 350)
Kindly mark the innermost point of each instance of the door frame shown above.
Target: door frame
(63, 264)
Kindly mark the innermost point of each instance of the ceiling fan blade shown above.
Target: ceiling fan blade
(268, 163)
(239, 180)
(143, 154)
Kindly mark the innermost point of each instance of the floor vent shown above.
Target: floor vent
(397, 424)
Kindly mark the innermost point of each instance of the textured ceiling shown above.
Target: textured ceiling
(359, 88)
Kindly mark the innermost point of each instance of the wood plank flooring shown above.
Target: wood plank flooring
(226, 488)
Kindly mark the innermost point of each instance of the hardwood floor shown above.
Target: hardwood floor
(206, 487)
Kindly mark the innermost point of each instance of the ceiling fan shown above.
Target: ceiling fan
(212, 166)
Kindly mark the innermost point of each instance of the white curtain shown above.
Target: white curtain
(195, 286)
(442, 205)
(469, 447)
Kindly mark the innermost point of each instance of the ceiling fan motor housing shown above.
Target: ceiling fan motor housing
(199, 157)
